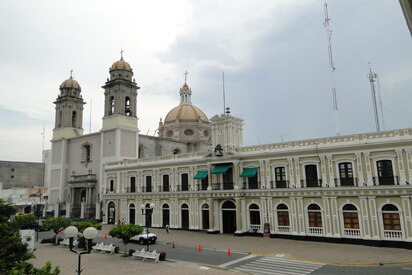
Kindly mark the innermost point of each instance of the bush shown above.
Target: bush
(24, 221)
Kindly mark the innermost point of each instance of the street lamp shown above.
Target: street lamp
(147, 213)
(89, 233)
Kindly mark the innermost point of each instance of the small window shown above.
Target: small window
(86, 152)
(169, 133)
(12, 169)
(176, 151)
(188, 132)
(206, 133)
(12, 176)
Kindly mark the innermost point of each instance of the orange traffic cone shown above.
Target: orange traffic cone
(228, 252)
(105, 236)
(199, 248)
(173, 245)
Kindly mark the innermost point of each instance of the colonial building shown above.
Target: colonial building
(345, 187)
(75, 167)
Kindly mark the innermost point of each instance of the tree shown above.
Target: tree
(125, 232)
(24, 268)
(6, 210)
(56, 224)
(81, 226)
(26, 221)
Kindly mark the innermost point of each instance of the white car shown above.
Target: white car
(143, 238)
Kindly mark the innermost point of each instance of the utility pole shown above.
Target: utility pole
(332, 68)
(372, 77)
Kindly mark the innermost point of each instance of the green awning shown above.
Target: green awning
(220, 169)
(201, 175)
(249, 172)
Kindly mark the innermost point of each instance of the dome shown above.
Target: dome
(186, 112)
(70, 83)
(121, 65)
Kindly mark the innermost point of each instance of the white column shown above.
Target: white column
(98, 210)
(291, 174)
(374, 221)
(331, 171)
(408, 152)
(365, 218)
(56, 210)
(359, 169)
(68, 209)
(406, 205)
(297, 172)
(323, 170)
(369, 179)
(402, 175)
(301, 219)
(326, 213)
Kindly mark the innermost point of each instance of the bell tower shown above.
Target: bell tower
(120, 97)
(69, 110)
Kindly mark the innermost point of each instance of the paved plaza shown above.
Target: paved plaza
(314, 252)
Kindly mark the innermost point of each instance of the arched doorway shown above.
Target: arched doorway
(111, 216)
(165, 215)
(205, 216)
(229, 217)
(148, 212)
(132, 214)
(184, 209)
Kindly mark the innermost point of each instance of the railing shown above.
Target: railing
(283, 229)
(315, 230)
(311, 183)
(386, 180)
(226, 186)
(130, 190)
(351, 232)
(145, 189)
(346, 181)
(164, 188)
(201, 187)
(182, 188)
(392, 234)
(279, 184)
(254, 228)
(254, 185)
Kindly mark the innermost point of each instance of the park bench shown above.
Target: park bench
(104, 247)
(147, 255)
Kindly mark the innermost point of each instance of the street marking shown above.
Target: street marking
(237, 260)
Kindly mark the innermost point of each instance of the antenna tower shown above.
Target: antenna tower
(224, 96)
(372, 77)
(332, 67)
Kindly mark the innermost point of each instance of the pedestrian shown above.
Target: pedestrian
(167, 228)
(123, 221)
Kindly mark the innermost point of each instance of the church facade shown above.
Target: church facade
(76, 167)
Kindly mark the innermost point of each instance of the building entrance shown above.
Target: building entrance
(229, 217)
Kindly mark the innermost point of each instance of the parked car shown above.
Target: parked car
(143, 238)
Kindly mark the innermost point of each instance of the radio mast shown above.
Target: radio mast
(372, 77)
(332, 68)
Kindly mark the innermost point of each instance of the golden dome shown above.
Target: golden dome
(121, 65)
(70, 83)
(185, 87)
(186, 112)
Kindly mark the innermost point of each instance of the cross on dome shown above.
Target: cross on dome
(185, 74)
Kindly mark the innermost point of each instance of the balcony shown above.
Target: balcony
(182, 188)
(351, 232)
(392, 234)
(279, 184)
(283, 229)
(315, 231)
(224, 186)
(250, 185)
(201, 187)
(346, 181)
(386, 180)
(165, 188)
(254, 228)
(310, 183)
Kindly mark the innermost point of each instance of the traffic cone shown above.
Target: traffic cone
(105, 236)
(199, 248)
(228, 252)
(173, 245)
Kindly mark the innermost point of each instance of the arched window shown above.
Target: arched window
(176, 151)
(127, 110)
(205, 216)
(132, 184)
(185, 182)
(391, 218)
(148, 183)
(111, 185)
(166, 186)
(350, 216)
(314, 215)
(254, 215)
(283, 217)
(165, 214)
(385, 172)
(86, 152)
(74, 119)
(111, 102)
(228, 205)
(280, 177)
(132, 213)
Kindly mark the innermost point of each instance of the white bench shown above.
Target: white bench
(67, 242)
(147, 255)
(104, 247)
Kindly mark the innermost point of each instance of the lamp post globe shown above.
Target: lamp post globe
(90, 233)
(71, 232)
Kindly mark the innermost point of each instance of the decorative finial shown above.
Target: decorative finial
(121, 54)
(71, 74)
(186, 73)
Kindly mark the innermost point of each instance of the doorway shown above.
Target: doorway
(229, 217)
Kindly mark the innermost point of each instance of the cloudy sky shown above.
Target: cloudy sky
(273, 53)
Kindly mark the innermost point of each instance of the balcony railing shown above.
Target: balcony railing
(110, 190)
(311, 183)
(279, 184)
(254, 228)
(351, 232)
(346, 181)
(130, 190)
(386, 180)
(165, 188)
(392, 234)
(283, 229)
(180, 188)
(224, 186)
(201, 187)
(315, 230)
(254, 185)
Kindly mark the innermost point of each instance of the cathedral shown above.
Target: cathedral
(197, 175)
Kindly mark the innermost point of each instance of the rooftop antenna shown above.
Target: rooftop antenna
(90, 121)
(372, 77)
(224, 96)
(380, 102)
(332, 67)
